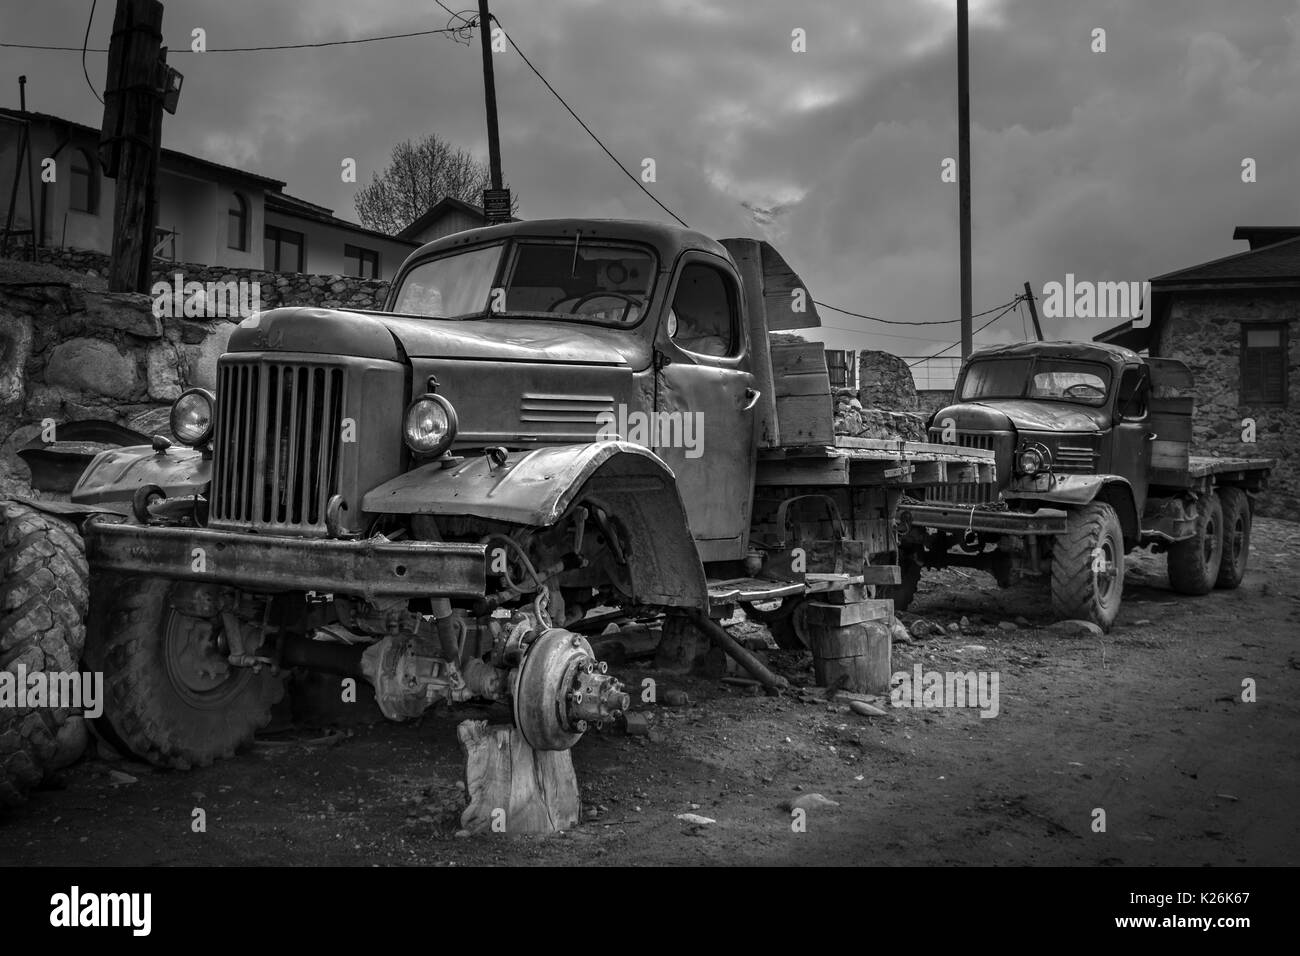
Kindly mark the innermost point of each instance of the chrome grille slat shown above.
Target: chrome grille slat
(278, 441)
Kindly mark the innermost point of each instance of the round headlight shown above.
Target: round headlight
(1030, 461)
(430, 425)
(191, 418)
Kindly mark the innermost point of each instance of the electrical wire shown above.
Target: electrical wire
(240, 49)
(639, 184)
(973, 334)
(85, 43)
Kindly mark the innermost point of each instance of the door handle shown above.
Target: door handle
(1151, 436)
(752, 395)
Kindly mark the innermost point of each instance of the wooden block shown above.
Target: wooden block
(793, 358)
(513, 788)
(882, 574)
(805, 420)
(852, 594)
(843, 615)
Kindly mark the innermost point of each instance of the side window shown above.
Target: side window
(1263, 364)
(704, 314)
(1134, 387)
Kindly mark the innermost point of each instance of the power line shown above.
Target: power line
(596, 138)
(242, 49)
(85, 43)
(859, 315)
(973, 334)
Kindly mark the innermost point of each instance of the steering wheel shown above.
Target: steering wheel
(631, 300)
(1096, 392)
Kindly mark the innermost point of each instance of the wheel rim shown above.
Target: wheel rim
(1238, 538)
(1210, 546)
(195, 654)
(1106, 575)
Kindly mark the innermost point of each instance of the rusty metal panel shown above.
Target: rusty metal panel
(115, 474)
(271, 563)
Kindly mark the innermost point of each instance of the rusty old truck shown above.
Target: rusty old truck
(1092, 444)
(548, 421)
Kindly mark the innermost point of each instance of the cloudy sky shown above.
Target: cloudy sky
(1119, 165)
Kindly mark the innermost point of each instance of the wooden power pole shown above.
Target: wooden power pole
(963, 170)
(1033, 311)
(496, 200)
(131, 138)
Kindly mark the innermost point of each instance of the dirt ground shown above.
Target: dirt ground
(1146, 723)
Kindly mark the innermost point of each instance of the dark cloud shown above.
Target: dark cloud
(1112, 166)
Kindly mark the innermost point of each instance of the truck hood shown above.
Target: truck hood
(386, 336)
(1050, 416)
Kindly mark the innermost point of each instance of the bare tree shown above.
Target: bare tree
(419, 174)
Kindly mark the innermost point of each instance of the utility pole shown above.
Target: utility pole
(963, 170)
(496, 201)
(1033, 311)
(131, 138)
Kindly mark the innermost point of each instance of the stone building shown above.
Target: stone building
(1234, 321)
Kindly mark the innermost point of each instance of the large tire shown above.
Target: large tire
(43, 594)
(159, 704)
(1236, 538)
(1194, 563)
(1088, 566)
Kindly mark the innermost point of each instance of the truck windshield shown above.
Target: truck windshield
(599, 282)
(1060, 380)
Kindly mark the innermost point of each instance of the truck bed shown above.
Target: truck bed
(1199, 466)
(875, 461)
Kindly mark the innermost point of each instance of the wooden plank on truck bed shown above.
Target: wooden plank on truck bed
(1200, 465)
(805, 419)
(802, 471)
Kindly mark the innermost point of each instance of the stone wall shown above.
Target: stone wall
(1204, 331)
(930, 400)
(69, 352)
(276, 288)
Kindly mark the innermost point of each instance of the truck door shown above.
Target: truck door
(1133, 435)
(704, 404)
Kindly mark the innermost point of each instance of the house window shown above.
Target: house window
(284, 249)
(362, 263)
(85, 183)
(703, 317)
(1263, 364)
(237, 223)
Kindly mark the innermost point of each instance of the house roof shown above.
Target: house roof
(1277, 260)
(170, 158)
(439, 209)
(1259, 236)
(287, 205)
(1272, 262)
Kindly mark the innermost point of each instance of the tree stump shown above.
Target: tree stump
(855, 657)
(513, 788)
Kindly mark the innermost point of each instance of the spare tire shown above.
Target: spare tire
(43, 596)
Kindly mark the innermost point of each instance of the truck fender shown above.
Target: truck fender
(1076, 490)
(114, 475)
(535, 488)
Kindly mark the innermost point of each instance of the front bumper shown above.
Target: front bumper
(958, 518)
(368, 569)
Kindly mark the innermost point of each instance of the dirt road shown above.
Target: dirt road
(1147, 724)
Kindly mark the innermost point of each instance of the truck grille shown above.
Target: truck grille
(1074, 460)
(971, 494)
(278, 430)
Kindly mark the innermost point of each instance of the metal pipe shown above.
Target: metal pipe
(740, 655)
